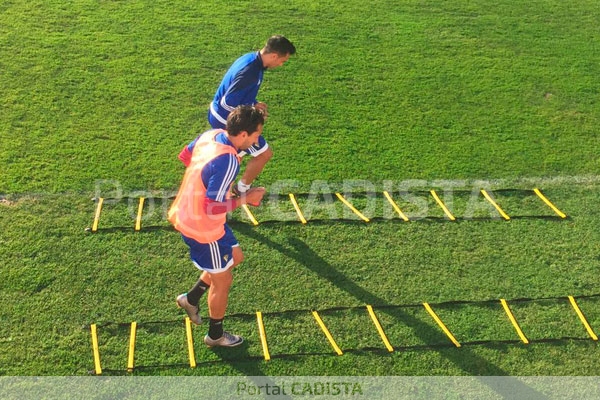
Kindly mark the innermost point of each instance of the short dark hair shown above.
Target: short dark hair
(280, 45)
(244, 118)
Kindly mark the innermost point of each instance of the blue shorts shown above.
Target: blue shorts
(254, 151)
(257, 149)
(213, 257)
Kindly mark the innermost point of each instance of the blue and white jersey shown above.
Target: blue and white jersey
(239, 86)
(218, 174)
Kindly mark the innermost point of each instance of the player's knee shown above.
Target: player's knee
(238, 256)
(267, 155)
(222, 281)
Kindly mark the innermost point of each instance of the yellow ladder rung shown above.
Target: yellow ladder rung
(386, 342)
(132, 335)
(395, 206)
(549, 204)
(441, 324)
(97, 214)
(297, 208)
(489, 198)
(190, 342)
(584, 321)
(351, 207)
(513, 320)
(442, 205)
(96, 350)
(249, 214)
(327, 334)
(263, 335)
(138, 220)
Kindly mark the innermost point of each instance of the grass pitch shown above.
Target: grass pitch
(98, 99)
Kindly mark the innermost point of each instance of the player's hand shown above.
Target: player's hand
(262, 107)
(254, 196)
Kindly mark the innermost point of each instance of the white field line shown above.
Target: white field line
(412, 184)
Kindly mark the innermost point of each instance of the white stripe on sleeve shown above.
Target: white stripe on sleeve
(228, 178)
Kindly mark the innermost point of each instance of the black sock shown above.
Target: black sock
(215, 328)
(193, 296)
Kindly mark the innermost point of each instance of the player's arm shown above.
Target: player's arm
(252, 197)
(217, 177)
(186, 154)
(243, 90)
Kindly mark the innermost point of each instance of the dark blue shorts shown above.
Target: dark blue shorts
(213, 257)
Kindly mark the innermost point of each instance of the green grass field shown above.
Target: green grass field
(98, 98)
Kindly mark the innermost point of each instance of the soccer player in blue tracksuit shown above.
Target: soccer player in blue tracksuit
(239, 86)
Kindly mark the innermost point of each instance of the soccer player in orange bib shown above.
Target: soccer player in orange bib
(199, 214)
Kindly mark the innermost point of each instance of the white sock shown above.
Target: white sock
(242, 187)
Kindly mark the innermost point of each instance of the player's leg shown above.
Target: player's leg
(200, 255)
(189, 301)
(261, 154)
(218, 298)
(215, 120)
(219, 294)
(217, 261)
(204, 257)
(255, 166)
(220, 283)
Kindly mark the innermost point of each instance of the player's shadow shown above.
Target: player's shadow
(240, 359)
(464, 358)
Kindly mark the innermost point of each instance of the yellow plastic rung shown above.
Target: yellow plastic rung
(350, 206)
(386, 342)
(584, 321)
(297, 208)
(138, 220)
(441, 324)
(395, 206)
(95, 348)
(549, 204)
(327, 334)
(263, 335)
(97, 215)
(249, 214)
(190, 342)
(512, 319)
(131, 346)
(489, 198)
(442, 205)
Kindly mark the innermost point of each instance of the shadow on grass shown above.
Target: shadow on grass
(243, 225)
(250, 366)
(465, 359)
